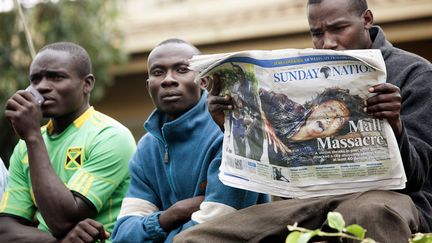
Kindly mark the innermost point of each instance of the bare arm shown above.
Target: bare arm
(19, 230)
(60, 208)
(179, 213)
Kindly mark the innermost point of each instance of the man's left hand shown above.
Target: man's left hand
(386, 103)
(86, 231)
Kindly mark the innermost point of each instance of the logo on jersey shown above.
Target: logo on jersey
(74, 158)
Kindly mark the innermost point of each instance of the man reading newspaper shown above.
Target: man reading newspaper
(388, 216)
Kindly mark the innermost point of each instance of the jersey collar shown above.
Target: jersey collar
(77, 123)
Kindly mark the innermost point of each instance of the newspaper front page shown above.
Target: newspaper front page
(298, 127)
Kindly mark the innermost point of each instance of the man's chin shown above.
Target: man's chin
(48, 114)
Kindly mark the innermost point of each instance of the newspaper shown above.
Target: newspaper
(298, 128)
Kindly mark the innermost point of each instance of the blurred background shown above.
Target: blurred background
(120, 34)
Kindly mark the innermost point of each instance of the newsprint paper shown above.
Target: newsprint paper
(298, 128)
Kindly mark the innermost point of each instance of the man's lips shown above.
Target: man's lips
(171, 97)
(48, 101)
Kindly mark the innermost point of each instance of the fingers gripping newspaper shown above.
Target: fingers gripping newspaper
(298, 128)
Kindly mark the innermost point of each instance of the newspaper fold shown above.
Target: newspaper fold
(298, 128)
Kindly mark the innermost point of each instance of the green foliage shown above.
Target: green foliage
(421, 238)
(90, 23)
(336, 222)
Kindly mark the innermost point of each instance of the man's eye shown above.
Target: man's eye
(35, 79)
(338, 29)
(57, 77)
(156, 73)
(317, 33)
(183, 70)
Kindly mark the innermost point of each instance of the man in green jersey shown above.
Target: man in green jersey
(69, 177)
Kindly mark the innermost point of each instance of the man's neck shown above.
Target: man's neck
(61, 123)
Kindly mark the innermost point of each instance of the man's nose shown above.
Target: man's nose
(44, 85)
(329, 42)
(169, 80)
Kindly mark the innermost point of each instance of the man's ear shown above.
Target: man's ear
(89, 82)
(204, 82)
(148, 87)
(368, 19)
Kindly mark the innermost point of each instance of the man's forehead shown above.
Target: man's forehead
(330, 9)
(52, 59)
(172, 49)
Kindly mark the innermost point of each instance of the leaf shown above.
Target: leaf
(356, 230)
(417, 238)
(421, 238)
(336, 221)
(293, 237)
(305, 237)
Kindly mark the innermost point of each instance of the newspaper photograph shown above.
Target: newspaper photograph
(298, 127)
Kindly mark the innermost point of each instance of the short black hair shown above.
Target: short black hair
(358, 6)
(178, 41)
(78, 53)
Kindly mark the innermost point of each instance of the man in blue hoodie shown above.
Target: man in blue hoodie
(174, 173)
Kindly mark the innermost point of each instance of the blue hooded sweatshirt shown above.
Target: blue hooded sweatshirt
(177, 160)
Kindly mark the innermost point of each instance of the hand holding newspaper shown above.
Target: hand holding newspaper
(298, 128)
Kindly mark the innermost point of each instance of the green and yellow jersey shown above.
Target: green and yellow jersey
(91, 158)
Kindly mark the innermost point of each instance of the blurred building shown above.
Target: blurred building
(234, 25)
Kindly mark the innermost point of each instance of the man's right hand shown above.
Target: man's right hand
(24, 114)
(218, 104)
(86, 231)
(179, 213)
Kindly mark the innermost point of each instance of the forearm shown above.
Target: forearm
(55, 201)
(11, 231)
(179, 213)
(169, 221)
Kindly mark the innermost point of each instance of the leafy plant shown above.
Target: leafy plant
(336, 222)
(421, 238)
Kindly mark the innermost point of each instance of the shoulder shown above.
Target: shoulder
(102, 124)
(404, 68)
(399, 58)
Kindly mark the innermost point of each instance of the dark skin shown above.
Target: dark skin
(334, 25)
(173, 91)
(87, 231)
(54, 74)
(179, 213)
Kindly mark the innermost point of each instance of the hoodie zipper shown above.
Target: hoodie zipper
(165, 157)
